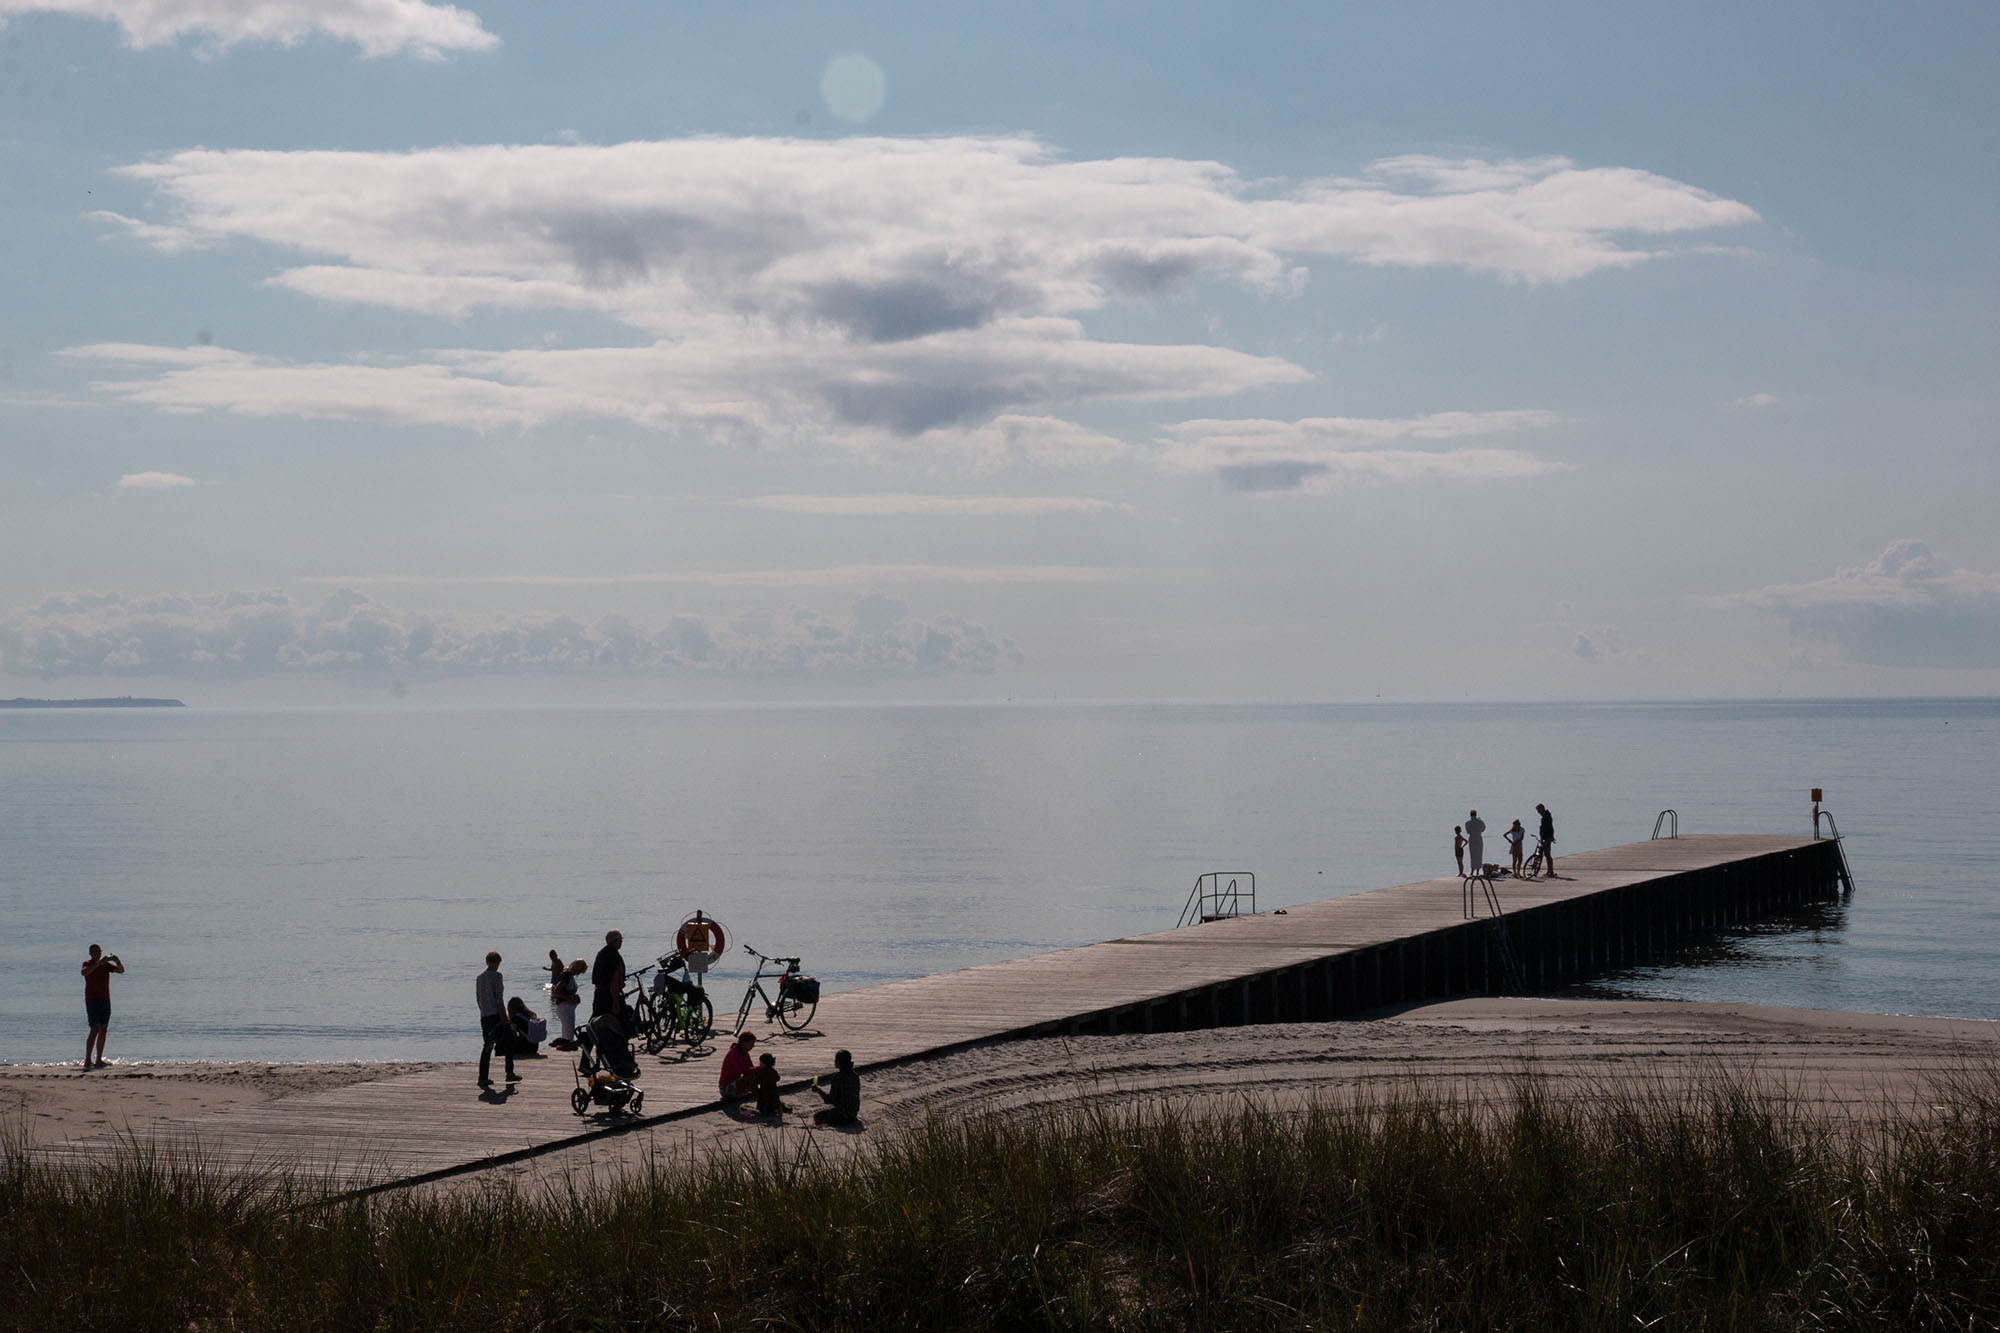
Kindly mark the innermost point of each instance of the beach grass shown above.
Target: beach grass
(1709, 1207)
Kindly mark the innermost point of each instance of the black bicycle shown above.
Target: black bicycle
(682, 1011)
(798, 995)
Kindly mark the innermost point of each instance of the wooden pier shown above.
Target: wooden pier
(1341, 956)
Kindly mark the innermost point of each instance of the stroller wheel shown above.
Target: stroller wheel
(638, 1100)
(579, 1101)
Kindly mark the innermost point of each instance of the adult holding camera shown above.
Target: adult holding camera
(97, 970)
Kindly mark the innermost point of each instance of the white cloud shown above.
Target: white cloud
(954, 506)
(378, 27)
(154, 481)
(1906, 607)
(1756, 400)
(823, 576)
(241, 634)
(856, 290)
(1319, 454)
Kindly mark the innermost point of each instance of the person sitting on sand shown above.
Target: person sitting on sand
(765, 1081)
(1514, 837)
(1458, 847)
(737, 1069)
(843, 1098)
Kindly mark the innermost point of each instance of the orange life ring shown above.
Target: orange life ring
(718, 940)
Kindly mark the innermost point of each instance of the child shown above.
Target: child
(765, 1081)
(1458, 847)
(843, 1103)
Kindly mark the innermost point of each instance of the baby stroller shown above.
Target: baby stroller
(605, 1069)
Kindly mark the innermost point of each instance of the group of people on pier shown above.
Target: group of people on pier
(1470, 837)
(509, 1027)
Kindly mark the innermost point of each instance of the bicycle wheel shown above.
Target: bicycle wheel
(795, 1015)
(698, 1020)
(659, 1029)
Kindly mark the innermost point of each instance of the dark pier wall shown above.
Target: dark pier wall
(1551, 946)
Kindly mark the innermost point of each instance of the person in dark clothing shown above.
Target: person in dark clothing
(765, 1081)
(843, 1097)
(1548, 837)
(607, 976)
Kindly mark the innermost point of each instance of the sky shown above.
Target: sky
(390, 350)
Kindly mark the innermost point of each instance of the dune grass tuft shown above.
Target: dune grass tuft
(1716, 1208)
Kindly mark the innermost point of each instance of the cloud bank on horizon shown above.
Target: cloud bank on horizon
(1907, 607)
(378, 27)
(926, 295)
(242, 634)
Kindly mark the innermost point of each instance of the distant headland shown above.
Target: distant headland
(122, 701)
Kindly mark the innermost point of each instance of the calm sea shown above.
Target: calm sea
(323, 885)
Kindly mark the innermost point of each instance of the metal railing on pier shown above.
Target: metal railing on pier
(1220, 894)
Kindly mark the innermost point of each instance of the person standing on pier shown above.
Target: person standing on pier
(97, 970)
(494, 1025)
(607, 977)
(1515, 836)
(1475, 841)
(1548, 836)
(1458, 847)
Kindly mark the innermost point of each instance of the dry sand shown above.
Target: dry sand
(1862, 1068)
(55, 1102)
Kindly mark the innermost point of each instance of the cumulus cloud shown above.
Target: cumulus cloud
(242, 634)
(953, 506)
(154, 481)
(1907, 607)
(859, 289)
(378, 27)
(1319, 454)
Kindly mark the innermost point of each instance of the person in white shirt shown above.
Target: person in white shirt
(1475, 842)
(491, 990)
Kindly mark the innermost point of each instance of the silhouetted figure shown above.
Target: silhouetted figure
(1548, 836)
(607, 976)
(842, 1096)
(1475, 841)
(1515, 836)
(496, 1029)
(97, 970)
(1458, 847)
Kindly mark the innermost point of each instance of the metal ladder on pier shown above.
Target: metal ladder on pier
(1219, 895)
(1496, 925)
(1845, 872)
(1670, 820)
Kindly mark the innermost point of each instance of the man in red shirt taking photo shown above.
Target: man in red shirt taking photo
(97, 970)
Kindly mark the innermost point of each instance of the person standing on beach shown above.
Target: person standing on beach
(1458, 847)
(1548, 836)
(1475, 841)
(494, 1025)
(564, 997)
(97, 970)
(607, 976)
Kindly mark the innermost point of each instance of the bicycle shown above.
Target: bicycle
(685, 1011)
(798, 996)
(649, 1018)
(1537, 862)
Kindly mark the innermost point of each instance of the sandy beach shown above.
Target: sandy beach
(1864, 1068)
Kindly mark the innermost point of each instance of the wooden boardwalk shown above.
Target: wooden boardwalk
(422, 1125)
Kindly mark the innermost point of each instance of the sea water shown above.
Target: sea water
(324, 885)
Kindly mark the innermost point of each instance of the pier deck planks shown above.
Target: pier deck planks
(436, 1120)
